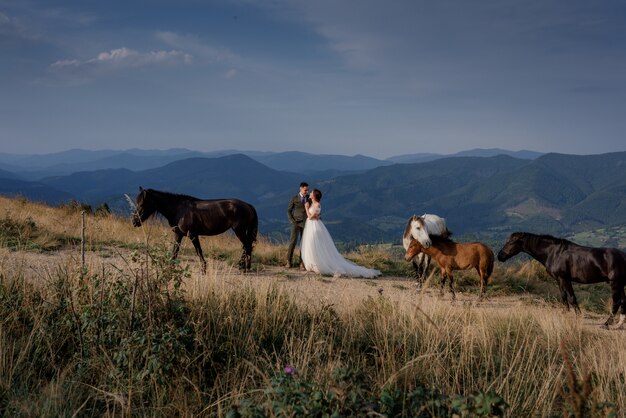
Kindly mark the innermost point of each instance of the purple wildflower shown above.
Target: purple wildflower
(380, 290)
(289, 370)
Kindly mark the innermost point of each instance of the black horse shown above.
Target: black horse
(568, 262)
(192, 217)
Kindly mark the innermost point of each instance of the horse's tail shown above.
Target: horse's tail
(252, 229)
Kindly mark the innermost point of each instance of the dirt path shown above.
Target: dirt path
(306, 288)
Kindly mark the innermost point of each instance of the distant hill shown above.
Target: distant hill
(78, 156)
(38, 166)
(301, 162)
(36, 192)
(559, 194)
(385, 197)
(208, 178)
(4, 174)
(555, 193)
(35, 167)
(477, 152)
(421, 157)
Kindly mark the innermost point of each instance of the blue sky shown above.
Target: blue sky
(379, 78)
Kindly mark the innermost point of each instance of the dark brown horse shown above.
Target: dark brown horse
(452, 256)
(191, 217)
(568, 262)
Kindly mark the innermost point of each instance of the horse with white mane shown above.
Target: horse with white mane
(420, 228)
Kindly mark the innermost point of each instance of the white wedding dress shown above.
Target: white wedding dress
(320, 255)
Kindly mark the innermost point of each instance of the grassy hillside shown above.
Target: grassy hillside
(557, 194)
(129, 333)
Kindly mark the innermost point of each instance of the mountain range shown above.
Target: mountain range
(364, 200)
(38, 166)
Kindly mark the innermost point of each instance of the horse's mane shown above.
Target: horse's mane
(440, 238)
(536, 238)
(407, 229)
(174, 196)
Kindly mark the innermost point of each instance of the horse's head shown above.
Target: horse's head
(414, 249)
(419, 231)
(514, 244)
(144, 207)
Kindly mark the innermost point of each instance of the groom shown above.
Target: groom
(297, 216)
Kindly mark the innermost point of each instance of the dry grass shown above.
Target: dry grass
(510, 347)
(274, 317)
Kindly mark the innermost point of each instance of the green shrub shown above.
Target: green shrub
(17, 234)
(76, 206)
(350, 393)
(102, 210)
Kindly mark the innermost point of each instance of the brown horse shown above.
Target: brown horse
(452, 256)
(421, 228)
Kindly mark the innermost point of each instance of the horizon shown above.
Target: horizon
(338, 78)
(237, 151)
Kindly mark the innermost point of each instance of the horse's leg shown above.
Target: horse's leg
(416, 274)
(451, 284)
(418, 266)
(196, 244)
(569, 292)
(443, 283)
(622, 315)
(251, 233)
(563, 293)
(484, 272)
(178, 237)
(416, 269)
(481, 276)
(425, 265)
(240, 232)
(617, 294)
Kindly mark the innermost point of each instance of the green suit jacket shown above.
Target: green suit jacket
(296, 211)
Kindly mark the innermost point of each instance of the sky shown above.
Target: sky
(378, 78)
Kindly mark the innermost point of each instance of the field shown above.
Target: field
(131, 334)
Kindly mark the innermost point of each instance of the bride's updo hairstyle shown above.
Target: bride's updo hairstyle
(317, 194)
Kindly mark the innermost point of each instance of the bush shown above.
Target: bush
(125, 331)
(351, 394)
(17, 234)
(76, 206)
(103, 210)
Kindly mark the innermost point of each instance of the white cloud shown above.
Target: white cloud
(200, 49)
(232, 73)
(124, 58)
(65, 63)
(115, 55)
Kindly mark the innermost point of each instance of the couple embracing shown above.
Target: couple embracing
(317, 249)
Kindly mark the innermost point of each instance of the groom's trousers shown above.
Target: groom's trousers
(296, 229)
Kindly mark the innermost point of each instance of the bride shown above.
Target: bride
(318, 250)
